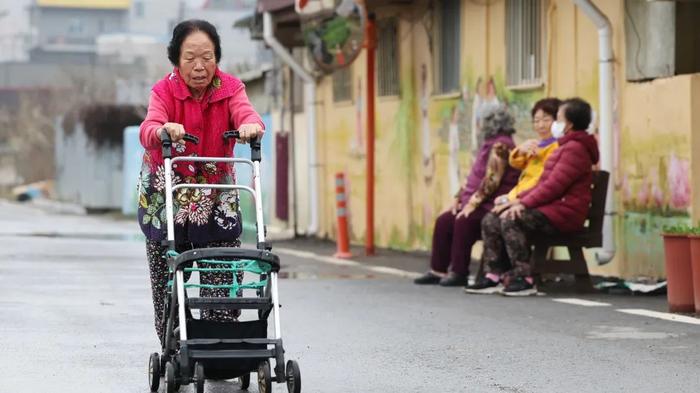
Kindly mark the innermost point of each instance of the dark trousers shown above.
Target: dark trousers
(511, 236)
(453, 240)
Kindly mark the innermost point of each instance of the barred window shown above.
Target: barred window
(448, 39)
(388, 57)
(524, 42)
(342, 84)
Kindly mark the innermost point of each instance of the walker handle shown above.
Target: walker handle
(167, 143)
(255, 154)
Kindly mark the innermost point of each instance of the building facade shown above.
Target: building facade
(67, 30)
(441, 64)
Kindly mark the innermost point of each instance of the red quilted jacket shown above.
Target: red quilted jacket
(563, 193)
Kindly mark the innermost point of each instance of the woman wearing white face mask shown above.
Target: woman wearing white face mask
(558, 204)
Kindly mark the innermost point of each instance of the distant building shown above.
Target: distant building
(154, 17)
(67, 30)
(15, 30)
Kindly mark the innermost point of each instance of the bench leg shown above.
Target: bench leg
(582, 277)
(539, 255)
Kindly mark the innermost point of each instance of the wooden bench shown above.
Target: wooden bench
(591, 236)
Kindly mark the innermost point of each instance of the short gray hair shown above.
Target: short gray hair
(497, 122)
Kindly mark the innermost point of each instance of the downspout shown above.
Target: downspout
(605, 54)
(310, 94)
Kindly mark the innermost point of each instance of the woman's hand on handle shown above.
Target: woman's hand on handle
(176, 131)
(249, 132)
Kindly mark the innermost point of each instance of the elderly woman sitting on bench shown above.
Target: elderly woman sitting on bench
(459, 227)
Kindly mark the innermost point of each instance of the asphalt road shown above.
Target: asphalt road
(76, 316)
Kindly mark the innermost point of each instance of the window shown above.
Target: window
(524, 42)
(342, 84)
(448, 42)
(75, 26)
(661, 39)
(388, 58)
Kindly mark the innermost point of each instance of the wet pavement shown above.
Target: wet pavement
(76, 316)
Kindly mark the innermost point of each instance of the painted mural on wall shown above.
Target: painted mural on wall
(357, 146)
(661, 187)
(655, 191)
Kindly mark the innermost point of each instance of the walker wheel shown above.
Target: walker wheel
(244, 380)
(170, 382)
(199, 377)
(154, 371)
(293, 376)
(264, 378)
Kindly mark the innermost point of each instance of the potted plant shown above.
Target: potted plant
(695, 264)
(679, 276)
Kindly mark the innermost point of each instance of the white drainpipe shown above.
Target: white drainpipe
(605, 88)
(310, 108)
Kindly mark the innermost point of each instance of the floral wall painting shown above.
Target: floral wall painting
(428, 156)
(427, 153)
(357, 147)
(679, 183)
(664, 189)
(454, 172)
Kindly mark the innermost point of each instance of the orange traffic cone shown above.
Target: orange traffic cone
(342, 213)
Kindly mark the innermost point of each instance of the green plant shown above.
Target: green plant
(679, 230)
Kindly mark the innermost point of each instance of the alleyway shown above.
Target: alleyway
(76, 316)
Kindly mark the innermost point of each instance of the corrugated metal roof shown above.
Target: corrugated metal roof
(91, 4)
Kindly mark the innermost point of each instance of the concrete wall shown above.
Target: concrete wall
(88, 175)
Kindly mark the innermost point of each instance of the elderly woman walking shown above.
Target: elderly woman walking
(459, 227)
(199, 99)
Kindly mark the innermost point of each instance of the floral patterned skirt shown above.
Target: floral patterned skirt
(201, 215)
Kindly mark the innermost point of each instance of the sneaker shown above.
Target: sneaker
(454, 280)
(429, 278)
(520, 286)
(484, 285)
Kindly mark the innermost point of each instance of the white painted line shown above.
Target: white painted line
(581, 302)
(393, 271)
(347, 262)
(296, 253)
(661, 315)
(337, 261)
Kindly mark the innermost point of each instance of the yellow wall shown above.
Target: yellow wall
(654, 123)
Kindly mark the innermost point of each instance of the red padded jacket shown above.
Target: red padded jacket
(563, 193)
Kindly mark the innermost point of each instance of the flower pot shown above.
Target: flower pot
(695, 266)
(679, 274)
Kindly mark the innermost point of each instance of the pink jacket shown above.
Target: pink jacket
(224, 108)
